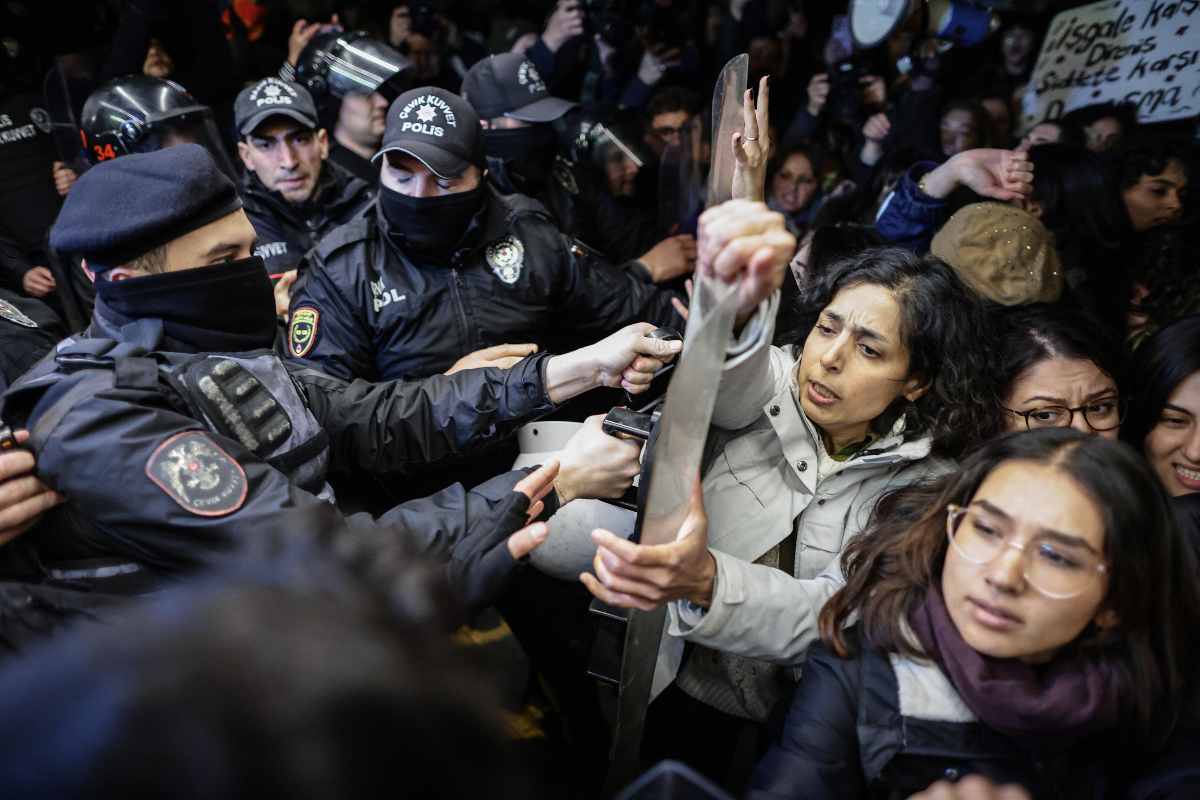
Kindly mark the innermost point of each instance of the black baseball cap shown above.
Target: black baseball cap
(436, 127)
(273, 97)
(508, 85)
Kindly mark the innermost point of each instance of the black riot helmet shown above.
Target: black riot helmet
(141, 114)
(338, 63)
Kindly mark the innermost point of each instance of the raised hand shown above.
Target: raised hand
(752, 146)
(565, 23)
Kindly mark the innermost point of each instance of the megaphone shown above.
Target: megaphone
(955, 21)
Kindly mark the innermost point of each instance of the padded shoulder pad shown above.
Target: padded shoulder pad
(356, 230)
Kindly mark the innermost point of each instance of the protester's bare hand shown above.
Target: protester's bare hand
(565, 23)
(670, 258)
(595, 464)
(655, 63)
(752, 146)
(818, 93)
(999, 174)
(38, 282)
(644, 577)
(23, 498)
(877, 128)
(874, 91)
(302, 33)
(972, 787)
(501, 355)
(64, 178)
(535, 486)
(629, 358)
(746, 242)
(680, 307)
(283, 292)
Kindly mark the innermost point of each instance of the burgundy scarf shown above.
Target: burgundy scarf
(1071, 696)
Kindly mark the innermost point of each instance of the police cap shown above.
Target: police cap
(436, 127)
(124, 208)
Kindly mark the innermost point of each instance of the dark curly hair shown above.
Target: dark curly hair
(941, 323)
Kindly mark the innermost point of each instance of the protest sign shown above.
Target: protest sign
(1142, 52)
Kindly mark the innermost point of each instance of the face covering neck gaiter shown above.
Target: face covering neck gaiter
(227, 308)
(526, 154)
(428, 228)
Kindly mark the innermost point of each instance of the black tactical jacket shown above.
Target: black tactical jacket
(365, 309)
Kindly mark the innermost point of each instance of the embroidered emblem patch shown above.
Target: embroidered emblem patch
(302, 331)
(426, 109)
(506, 257)
(13, 314)
(198, 475)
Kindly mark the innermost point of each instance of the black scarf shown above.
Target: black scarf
(226, 308)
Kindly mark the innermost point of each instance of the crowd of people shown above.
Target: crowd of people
(283, 283)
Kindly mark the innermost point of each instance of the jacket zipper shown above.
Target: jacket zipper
(460, 306)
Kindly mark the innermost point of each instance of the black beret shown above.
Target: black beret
(122, 209)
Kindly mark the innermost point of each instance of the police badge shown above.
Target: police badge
(302, 332)
(506, 258)
(13, 314)
(198, 475)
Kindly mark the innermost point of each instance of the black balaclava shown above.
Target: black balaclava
(429, 228)
(227, 308)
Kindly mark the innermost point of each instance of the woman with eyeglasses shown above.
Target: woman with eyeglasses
(1015, 619)
(1164, 413)
(794, 186)
(1055, 367)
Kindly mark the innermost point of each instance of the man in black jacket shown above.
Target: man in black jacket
(293, 193)
(444, 266)
(172, 427)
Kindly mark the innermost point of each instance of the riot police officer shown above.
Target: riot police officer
(444, 265)
(521, 120)
(293, 193)
(172, 427)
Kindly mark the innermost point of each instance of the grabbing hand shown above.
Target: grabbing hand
(629, 358)
(501, 355)
(640, 576)
(38, 282)
(595, 464)
(670, 258)
(818, 93)
(752, 147)
(565, 23)
(23, 498)
(64, 178)
(283, 293)
(745, 242)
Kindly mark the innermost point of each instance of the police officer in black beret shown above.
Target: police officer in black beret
(172, 428)
(293, 193)
(444, 265)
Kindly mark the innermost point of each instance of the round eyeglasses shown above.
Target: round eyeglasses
(1058, 566)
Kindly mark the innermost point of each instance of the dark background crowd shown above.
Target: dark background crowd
(966, 354)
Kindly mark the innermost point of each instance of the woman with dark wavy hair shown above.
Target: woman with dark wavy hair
(1007, 620)
(805, 439)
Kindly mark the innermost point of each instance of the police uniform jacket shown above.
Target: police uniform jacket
(28, 329)
(286, 231)
(366, 309)
(158, 475)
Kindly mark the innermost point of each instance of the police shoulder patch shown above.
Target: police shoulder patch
(198, 475)
(302, 330)
(15, 315)
(506, 257)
